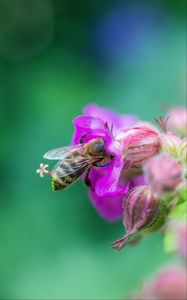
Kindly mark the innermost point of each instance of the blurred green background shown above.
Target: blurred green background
(56, 57)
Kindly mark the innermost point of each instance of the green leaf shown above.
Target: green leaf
(179, 213)
(170, 241)
(182, 195)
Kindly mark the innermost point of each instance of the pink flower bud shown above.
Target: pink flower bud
(163, 173)
(140, 143)
(169, 284)
(141, 209)
(170, 143)
(182, 150)
(178, 120)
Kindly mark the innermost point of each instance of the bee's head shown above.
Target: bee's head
(97, 148)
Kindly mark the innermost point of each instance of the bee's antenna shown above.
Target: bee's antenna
(108, 128)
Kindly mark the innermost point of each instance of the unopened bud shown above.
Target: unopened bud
(170, 143)
(141, 209)
(162, 173)
(140, 143)
(182, 150)
(178, 120)
(168, 284)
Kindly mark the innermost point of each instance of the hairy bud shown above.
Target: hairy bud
(140, 143)
(178, 120)
(163, 173)
(170, 143)
(182, 150)
(168, 284)
(141, 209)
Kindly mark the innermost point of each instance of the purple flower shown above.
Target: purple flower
(108, 195)
(118, 121)
(107, 189)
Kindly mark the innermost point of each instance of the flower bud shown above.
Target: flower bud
(141, 209)
(169, 283)
(170, 143)
(178, 120)
(182, 150)
(162, 173)
(140, 143)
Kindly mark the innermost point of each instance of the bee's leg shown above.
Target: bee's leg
(102, 164)
(81, 140)
(86, 179)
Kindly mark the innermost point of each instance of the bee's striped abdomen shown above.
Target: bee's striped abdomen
(57, 184)
(60, 182)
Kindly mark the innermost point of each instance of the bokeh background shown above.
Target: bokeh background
(56, 57)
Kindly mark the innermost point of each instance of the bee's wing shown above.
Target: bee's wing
(68, 166)
(60, 153)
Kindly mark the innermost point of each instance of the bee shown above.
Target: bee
(75, 160)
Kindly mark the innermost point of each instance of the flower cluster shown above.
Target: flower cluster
(107, 189)
(146, 173)
(148, 167)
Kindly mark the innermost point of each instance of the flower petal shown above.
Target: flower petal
(88, 122)
(106, 192)
(112, 118)
(108, 183)
(85, 125)
(108, 206)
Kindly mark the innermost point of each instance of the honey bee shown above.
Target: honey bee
(75, 160)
